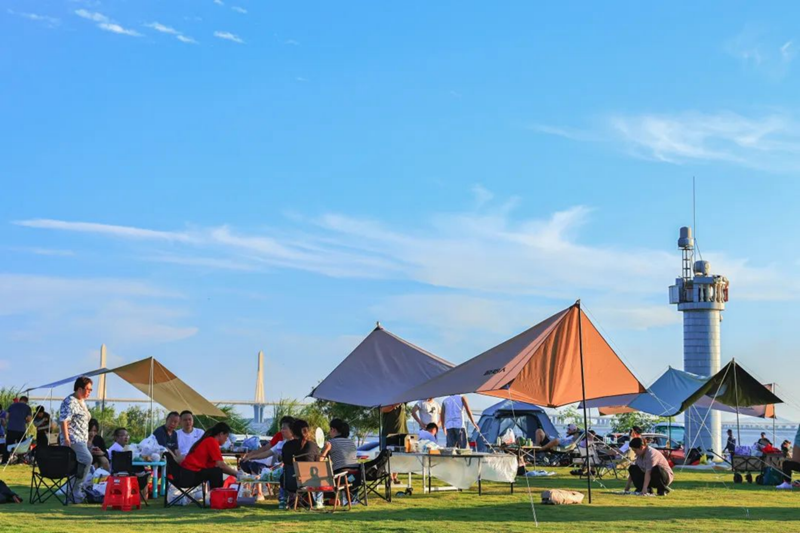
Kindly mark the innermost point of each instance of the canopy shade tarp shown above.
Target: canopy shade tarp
(735, 387)
(381, 367)
(541, 366)
(670, 395)
(158, 383)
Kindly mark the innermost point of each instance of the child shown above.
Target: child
(121, 439)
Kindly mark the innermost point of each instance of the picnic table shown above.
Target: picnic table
(460, 471)
(159, 470)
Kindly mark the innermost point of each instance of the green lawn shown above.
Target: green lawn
(701, 502)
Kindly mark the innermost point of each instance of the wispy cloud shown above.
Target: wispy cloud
(105, 23)
(228, 36)
(762, 50)
(768, 141)
(238, 9)
(161, 28)
(50, 22)
(487, 250)
(482, 194)
(219, 2)
(43, 251)
(291, 42)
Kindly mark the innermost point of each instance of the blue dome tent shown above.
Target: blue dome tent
(524, 418)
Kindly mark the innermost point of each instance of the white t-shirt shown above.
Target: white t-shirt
(116, 447)
(453, 412)
(186, 440)
(429, 411)
(273, 459)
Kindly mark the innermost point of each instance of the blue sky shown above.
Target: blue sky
(199, 180)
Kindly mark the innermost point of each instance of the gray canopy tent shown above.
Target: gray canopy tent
(380, 368)
(523, 418)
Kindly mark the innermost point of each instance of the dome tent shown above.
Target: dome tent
(523, 418)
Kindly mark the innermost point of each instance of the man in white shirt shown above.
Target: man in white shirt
(188, 434)
(426, 412)
(453, 409)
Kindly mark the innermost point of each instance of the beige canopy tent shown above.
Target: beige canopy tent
(559, 361)
(158, 383)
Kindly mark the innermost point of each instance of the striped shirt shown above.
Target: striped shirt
(343, 452)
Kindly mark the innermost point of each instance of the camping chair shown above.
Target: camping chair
(55, 469)
(600, 462)
(562, 455)
(317, 476)
(176, 478)
(371, 475)
(18, 451)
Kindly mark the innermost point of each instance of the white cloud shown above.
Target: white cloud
(162, 28)
(92, 15)
(238, 9)
(762, 50)
(123, 311)
(50, 22)
(43, 251)
(219, 2)
(228, 36)
(116, 28)
(482, 195)
(291, 42)
(105, 23)
(92, 227)
(185, 39)
(769, 141)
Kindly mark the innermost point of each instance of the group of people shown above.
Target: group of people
(18, 420)
(431, 416)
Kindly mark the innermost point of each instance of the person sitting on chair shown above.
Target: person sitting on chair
(97, 446)
(650, 471)
(302, 448)
(166, 435)
(548, 444)
(121, 440)
(429, 433)
(187, 435)
(340, 448)
(204, 460)
(793, 464)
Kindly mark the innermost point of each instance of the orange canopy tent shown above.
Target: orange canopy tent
(559, 361)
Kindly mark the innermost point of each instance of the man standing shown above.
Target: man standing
(426, 412)
(393, 421)
(188, 434)
(165, 435)
(18, 417)
(650, 471)
(452, 418)
(74, 419)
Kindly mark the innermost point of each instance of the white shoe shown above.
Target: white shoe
(784, 485)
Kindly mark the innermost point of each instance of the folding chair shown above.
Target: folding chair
(19, 450)
(55, 469)
(317, 476)
(177, 477)
(372, 474)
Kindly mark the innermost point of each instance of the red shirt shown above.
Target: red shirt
(276, 439)
(204, 456)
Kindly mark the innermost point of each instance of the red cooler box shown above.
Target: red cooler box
(224, 498)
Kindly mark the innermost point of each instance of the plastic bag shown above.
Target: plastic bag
(508, 437)
(251, 443)
(150, 448)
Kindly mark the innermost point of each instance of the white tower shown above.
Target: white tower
(101, 381)
(701, 298)
(258, 408)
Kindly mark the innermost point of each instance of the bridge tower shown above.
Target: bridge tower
(258, 405)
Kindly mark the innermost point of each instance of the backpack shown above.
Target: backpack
(770, 476)
(561, 497)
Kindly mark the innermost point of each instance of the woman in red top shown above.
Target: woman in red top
(204, 460)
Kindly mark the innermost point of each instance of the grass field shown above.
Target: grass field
(701, 502)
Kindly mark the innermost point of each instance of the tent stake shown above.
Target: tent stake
(585, 415)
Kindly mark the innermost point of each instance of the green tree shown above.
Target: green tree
(623, 423)
(236, 421)
(571, 415)
(362, 420)
(284, 407)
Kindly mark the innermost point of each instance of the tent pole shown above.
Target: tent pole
(585, 414)
(736, 390)
(774, 414)
(152, 386)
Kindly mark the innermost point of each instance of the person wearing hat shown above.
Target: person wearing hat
(572, 434)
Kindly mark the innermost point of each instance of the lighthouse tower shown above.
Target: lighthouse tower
(701, 297)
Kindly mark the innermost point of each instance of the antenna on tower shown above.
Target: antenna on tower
(694, 216)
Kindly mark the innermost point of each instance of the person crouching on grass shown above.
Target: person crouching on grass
(650, 471)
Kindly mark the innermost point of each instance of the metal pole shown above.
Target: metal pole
(583, 395)
(152, 387)
(736, 388)
(774, 414)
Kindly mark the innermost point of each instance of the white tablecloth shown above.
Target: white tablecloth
(460, 471)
